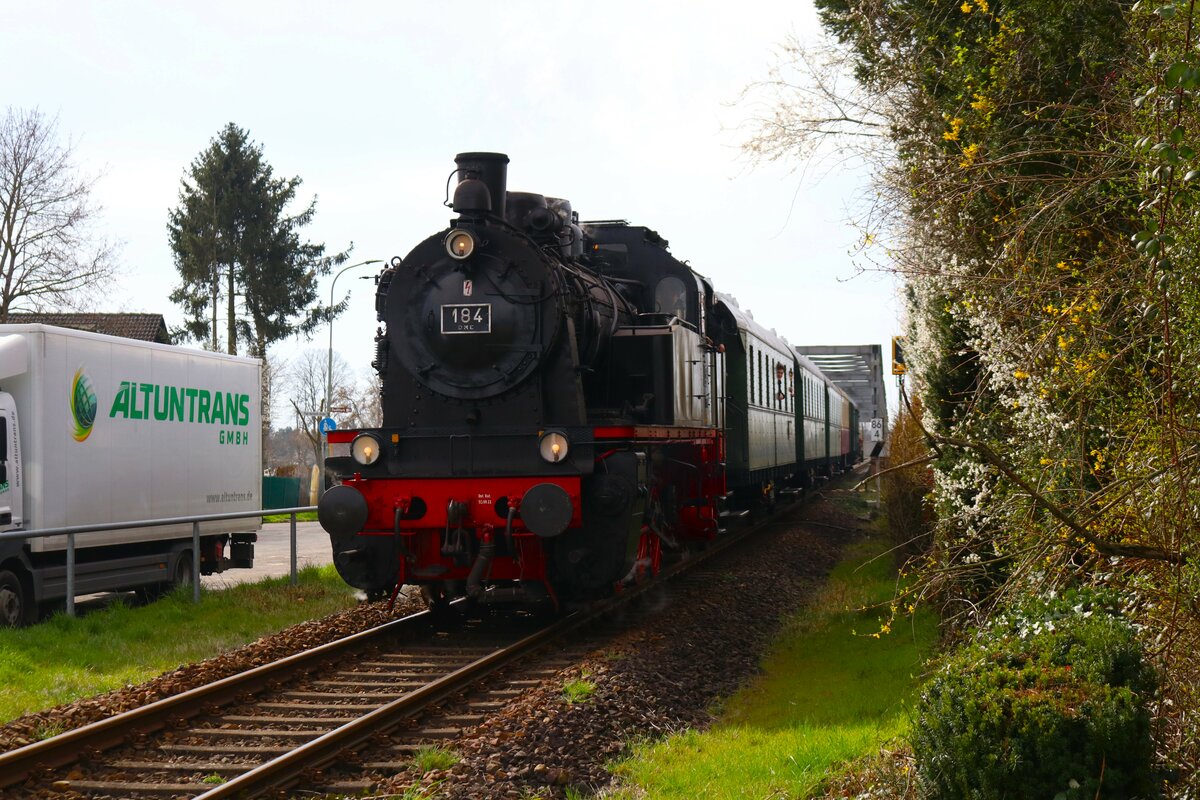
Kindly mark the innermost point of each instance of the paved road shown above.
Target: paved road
(272, 554)
(272, 559)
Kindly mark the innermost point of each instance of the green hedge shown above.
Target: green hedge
(1048, 702)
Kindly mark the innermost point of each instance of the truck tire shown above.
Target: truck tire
(182, 576)
(17, 608)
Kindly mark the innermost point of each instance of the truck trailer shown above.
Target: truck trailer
(99, 429)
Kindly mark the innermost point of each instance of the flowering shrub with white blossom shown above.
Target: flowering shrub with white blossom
(1038, 190)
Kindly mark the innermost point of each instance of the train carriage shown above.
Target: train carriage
(761, 424)
(813, 415)
(843, 442)
(830, 421)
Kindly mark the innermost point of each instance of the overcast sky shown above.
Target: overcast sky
(627, 109)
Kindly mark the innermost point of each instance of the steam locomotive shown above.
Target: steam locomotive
(563, 402)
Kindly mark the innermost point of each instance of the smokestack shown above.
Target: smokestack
(492, 169)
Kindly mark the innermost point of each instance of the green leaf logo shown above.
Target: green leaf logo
(83, 405)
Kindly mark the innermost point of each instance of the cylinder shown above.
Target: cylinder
(492, 169)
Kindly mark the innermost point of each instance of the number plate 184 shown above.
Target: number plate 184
(468, 318)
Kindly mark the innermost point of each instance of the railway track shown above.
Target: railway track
(369, 701)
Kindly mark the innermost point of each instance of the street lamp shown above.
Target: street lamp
(329, 368)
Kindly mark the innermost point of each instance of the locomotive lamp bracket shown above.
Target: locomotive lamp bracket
(461, 243)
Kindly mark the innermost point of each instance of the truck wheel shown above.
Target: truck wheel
(17, 608)
(182, 576)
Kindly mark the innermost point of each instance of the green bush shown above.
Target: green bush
(1049, 702)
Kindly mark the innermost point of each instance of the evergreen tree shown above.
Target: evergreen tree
(233, 237)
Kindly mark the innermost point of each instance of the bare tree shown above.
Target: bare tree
(49, 253)
(364, 403)
(307, 383)
(274, 373)
(288, 452)
(811, 99)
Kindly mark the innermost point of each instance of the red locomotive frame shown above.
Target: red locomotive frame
(424, 506)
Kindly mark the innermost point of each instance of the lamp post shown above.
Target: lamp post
(329, 368)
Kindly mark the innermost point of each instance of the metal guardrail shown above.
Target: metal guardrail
(71, 531)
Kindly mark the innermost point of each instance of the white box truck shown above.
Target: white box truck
(97, 429)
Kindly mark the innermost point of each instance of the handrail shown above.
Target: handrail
(70, 531)
(101, 527)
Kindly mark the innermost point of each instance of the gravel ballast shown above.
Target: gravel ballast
(702, 641)
(702, 644)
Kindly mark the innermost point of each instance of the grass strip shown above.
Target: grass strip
(303, 516)
(65, 658)
(833, 688)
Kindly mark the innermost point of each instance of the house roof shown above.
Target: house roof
(144, 327)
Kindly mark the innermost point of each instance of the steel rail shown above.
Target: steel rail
(283, 770)
(57, 751)
(64, 749)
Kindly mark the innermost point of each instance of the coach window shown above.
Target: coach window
(774, 391)
(759, 383)
(754, 372)
(750, 376)
(763, 366)
(765, 382)
(758, 380)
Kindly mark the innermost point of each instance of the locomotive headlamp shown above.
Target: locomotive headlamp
(554, 447)
(365, 449)
(460, 243)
